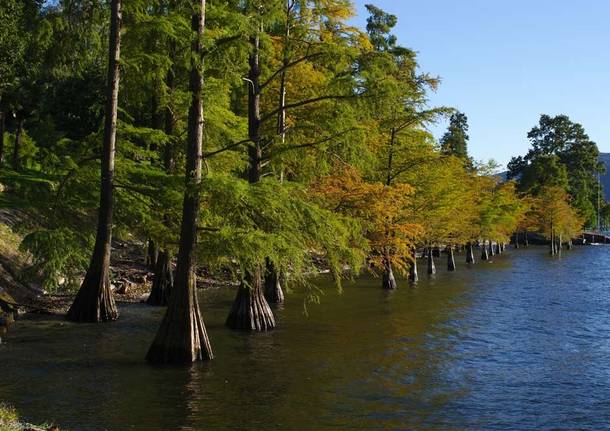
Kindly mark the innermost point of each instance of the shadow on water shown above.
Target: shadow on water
(520, 343)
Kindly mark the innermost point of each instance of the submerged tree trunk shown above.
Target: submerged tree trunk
(469, 253)
(484, 251)
(182, 337)
(94, 301)
(450, 259)
(431, 265)
(250, 310)
(16, 162)
(163, 281)
(273, 286)
(413, 273)
(388, 279)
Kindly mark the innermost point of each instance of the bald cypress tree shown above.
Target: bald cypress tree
(94, 301)
(182, 337)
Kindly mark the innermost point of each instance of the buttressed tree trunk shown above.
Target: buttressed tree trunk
(94, 301)
(182, 337)
(450, 259)
(469, 253)
(431, 266)
(163, 281)
(273, 287)
(413, 275)
(484, 251)
(250, 310)
(388, 279)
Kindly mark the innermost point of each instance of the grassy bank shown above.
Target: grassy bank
(9, 421)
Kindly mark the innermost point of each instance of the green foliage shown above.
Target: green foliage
(59, 255)
(246, 223)
(561, 155)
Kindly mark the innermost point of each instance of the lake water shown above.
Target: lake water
(522, 343)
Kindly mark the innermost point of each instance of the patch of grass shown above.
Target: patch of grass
(9, 419)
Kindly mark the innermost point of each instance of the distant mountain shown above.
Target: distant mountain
(605, 179)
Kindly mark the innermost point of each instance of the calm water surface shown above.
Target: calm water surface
(519, 344)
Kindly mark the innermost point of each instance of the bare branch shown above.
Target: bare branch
(227, 148)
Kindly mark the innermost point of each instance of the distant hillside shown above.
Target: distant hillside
(605, 179)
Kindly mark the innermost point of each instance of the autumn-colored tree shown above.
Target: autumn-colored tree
(382, 211)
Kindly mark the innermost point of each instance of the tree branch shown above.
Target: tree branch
(307, 102)
(227, 148)
(286, 67)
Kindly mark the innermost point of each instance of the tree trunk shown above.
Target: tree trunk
(273, 287)
(484, 251)
(163, 281)
(436, 252)
(569, 245)
(525, 240)
(498, 248)
(250, 310)
(169, 162)
(492, 252)
(388, 279)
(16, 163)
(469, 253)
(413, 274)
(152, 254)
(450, 259)
(94, 301)
(182, 337)
(2, 116)
(431, 266)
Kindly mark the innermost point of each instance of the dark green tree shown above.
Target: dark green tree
(562, 154)
(455, 141)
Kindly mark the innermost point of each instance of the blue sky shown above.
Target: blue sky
(504, 63)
